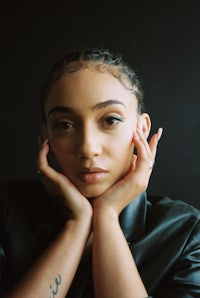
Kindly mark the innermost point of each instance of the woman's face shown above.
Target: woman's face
(91, 118)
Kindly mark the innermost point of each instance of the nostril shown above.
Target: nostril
(89, 150)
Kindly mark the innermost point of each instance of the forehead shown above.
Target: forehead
(87, 87)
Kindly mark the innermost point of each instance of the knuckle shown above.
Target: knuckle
(141, 185)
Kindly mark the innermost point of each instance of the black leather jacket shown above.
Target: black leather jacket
(163, 236)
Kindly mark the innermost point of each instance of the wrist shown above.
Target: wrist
(83, 218)
(81, 212)
(81, 225)
(105, 214)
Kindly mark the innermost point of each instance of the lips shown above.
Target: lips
(92, 175)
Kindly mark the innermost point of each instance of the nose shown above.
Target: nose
(89, 143)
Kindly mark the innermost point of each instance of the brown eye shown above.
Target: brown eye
(113, 120)
(63, 125)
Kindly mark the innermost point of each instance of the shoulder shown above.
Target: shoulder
(26, 200)
(168, 252)
(28, 219)
(165, 206)
(20, 186)
(16, 194)
(175, 218)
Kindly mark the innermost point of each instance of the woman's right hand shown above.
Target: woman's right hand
(61, 258)
(58, 185)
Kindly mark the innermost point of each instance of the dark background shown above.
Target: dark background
(161, 40)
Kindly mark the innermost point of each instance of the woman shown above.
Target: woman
(102, 236)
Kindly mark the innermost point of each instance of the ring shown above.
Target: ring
(39, 172)
(151, 164)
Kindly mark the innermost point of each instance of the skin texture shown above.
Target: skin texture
(92, 128)
(98, 136)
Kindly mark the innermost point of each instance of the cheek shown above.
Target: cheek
(122, 147)
(125, 138)
(59, 144)
(59, 149)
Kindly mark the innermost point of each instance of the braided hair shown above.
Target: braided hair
(102, 60)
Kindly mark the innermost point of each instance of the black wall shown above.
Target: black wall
(161, 40)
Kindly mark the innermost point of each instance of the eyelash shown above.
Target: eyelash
(108, 121)
(65, 125)
(113, 120)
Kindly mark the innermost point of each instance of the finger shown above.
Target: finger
(144, 154)
(42, 161)
(42, 154)
(144, 164)
(55, 183)
(153, 143)
(145, 148)
(133, 163)
(143, 144)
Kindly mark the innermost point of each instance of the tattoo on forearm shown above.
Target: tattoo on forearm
(54, 291)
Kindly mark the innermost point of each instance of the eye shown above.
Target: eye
(112, 120)
(63, 125)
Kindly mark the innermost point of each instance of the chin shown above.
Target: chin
(91, 192)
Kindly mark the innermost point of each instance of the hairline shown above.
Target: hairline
(99, 66)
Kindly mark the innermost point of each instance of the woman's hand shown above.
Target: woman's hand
(109, 242)
(136, 181)
(59, 185)
(61, 258)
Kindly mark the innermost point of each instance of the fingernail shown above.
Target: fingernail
(159, 133)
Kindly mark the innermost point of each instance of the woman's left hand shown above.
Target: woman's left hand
(136, 181)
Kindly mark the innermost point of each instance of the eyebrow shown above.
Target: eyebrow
(107, 103)
(98, 106)
(61, 109)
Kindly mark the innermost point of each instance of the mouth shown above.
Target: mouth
(92, 175)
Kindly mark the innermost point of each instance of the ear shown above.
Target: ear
(145, 123)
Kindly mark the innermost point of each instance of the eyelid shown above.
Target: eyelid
(120, 119)
(61, 118)
(57, 117)
(61, 123)
(112, 121)
(114, 115)
(64, 116)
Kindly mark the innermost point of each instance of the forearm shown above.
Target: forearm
(53, 273)
(114, 269)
